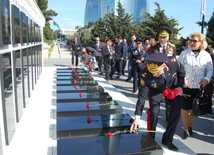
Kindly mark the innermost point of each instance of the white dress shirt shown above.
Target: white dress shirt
(196, 68)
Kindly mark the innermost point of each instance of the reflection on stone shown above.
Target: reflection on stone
(136, 144)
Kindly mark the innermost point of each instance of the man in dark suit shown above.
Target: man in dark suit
(120, 55)
(75, 48)
(168, 49)
(137, 57)
(131, 46)
(126, 56)
(161, 73)
(98, 46)
(108, 53)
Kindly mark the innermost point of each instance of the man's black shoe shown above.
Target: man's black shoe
(118, 77)
(133, 91)
(111, 77)
(127, 80)
(170, 145)
(101, 73)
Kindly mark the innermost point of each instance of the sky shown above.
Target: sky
(186, 12)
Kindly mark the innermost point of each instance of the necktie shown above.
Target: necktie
(164, 49)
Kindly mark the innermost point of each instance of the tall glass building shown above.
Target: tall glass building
(99, 8)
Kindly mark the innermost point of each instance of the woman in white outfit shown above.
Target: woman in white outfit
(198, 71)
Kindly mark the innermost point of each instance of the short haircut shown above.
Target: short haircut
(107, 40)
(133, 35)
(119, 37)
(97, 38)
(200, 38)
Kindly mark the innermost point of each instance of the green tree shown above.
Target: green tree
(152, 24)
(119, 24)
(98, 30)
(49, 14)
(210, 30)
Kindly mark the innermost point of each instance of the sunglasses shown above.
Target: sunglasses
(194, 41)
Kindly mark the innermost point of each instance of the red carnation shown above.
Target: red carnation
(144, 48)
(103, 46)
(144, 38)
(171, 96)
(87, 63)
(114, 44)
(82, 44)
(80, 94)
(75, 73)
(88, 106)
(148, 47)
(110, 135)
(128, 46)
(70, 43)
(77, 76)
(72, 70)
(165, 93)
(76, 87)
(75, 81)
(88, 119)
(175, 91)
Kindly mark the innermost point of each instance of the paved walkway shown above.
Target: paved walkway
(201, 142)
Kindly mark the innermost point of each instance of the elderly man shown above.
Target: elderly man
(160, 73)
(75, 48)
(98, 46)
(167, 48)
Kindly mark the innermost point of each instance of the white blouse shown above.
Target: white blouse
(196, 68)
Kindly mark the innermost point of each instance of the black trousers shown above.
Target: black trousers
(72, 58)
(119, 67)
(112, 63)
(124, 66)
(76, 56)
(174, 116)
(106, 67)
(101, 64)
(136, 75)
(130, 69)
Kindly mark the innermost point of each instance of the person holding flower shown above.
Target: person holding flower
(160, 73)
(199, 70)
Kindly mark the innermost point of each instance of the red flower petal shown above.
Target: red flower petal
(110, 135)
(144, 48)
(80, 94)
(148, 47)
(175, 91)
(72, 70)
(77, 76)
(76, 87)
(75, 81)
(88, 119)
(82, 44)
(165, 93)
(88, 106)
(70, 43)
(103, 46)
(144, 38)
(75, 73)
(87, 63)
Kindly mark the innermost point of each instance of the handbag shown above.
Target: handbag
(201, 104)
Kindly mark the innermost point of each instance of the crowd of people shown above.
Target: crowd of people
(154, 67)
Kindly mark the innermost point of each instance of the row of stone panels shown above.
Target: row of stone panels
(89, 122)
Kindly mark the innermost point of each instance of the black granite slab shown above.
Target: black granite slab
(86, 97)
(73, 73)
(75, 127)
(66, 68)
(74, 77)
(79, 88)
(95, 108)
(121, 144)
(76, 82)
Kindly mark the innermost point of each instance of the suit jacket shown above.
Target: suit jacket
(99, 47)
(92, 51)
(153, 88)
(131, 47)
(126, 50)
(120, 50)
(106, 54)
(156, 48)
(75, 46)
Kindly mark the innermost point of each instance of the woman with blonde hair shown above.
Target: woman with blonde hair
(198, 71)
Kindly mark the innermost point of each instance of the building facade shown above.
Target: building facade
(21, 31)
(99, 8)
(65, 32)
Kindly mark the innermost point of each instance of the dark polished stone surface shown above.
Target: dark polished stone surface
(74, 127)
(69, 71)
(74, 68)
(134, 144)
(76, 82)
(75, 97)
(74, 77)
(72, 73)
(79, 88)
(95, 108)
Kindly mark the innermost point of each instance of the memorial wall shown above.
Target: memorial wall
(21, 25)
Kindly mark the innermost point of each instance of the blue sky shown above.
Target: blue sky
(187, 12)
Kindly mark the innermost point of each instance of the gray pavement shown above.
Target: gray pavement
(202, 140)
